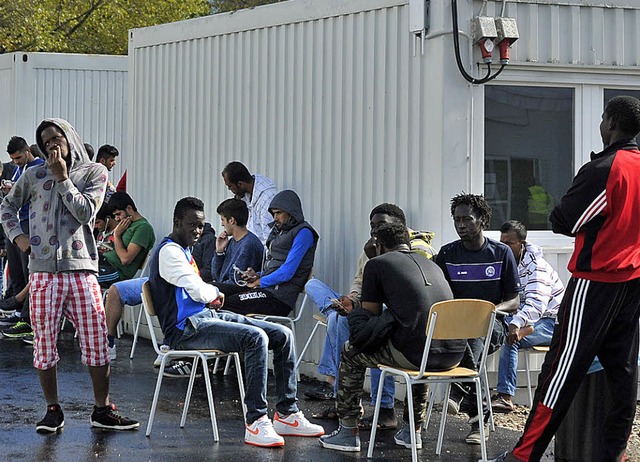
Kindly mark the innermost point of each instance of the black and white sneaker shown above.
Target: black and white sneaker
(53, 420)
(180, 369)
(107, 418)
(10, 321)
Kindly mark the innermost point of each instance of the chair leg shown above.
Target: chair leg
(376, 415)
(306, 345)
(212, 409)
(483, 442)
(227, 366)
(236, 358)
(136, 331)
(156, 394)
(443, 419)
(187, 399)
(215, 365)
(487, 394)
(293, 331)
(412, 423)
(528, 371)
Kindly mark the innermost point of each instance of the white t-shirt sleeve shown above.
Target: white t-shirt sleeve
(176, 270)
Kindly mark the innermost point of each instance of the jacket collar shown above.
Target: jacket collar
(626, 145)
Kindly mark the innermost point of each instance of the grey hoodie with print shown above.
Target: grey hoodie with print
(62, 214)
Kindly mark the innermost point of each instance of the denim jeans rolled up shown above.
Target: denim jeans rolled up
(231, 332)
(507, 372)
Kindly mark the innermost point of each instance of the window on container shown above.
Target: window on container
(608, 94)
(529, 152)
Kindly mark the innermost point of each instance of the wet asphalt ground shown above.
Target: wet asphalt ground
(132, 385)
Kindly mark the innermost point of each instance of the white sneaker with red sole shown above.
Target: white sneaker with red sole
(261, 433)
(296, 425)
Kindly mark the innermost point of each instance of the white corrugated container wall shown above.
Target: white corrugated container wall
(90, 91)
(329, 99)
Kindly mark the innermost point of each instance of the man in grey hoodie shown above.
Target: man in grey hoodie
(65, 194)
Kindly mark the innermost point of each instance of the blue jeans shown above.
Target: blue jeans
(507, 372)
(226, 331)
(337, 336)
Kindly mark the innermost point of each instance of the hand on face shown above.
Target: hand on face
(122, 226)
(57, 164)
(222, 241)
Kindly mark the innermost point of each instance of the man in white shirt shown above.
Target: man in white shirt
(257, 191)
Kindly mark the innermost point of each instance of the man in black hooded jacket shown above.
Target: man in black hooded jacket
(288, 261)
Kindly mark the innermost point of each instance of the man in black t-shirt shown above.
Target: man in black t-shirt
(478, 267)
(408, 284)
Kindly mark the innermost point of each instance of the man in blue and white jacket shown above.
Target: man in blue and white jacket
(532, 324)
(183, 302)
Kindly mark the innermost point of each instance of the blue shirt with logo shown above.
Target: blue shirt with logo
(490, 273)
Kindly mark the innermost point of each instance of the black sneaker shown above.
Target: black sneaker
(9, 321)
(21, 329)
(180, 369)
(10, 304)
(106, 417)
(28, 339)
(53, 420)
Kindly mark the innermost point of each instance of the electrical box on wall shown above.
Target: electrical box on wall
(418, 16)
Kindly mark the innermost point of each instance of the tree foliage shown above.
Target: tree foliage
(220, 6)
(85, 26)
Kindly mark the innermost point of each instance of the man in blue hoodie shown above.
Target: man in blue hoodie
(64, 194)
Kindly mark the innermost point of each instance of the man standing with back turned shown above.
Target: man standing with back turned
(599, 312)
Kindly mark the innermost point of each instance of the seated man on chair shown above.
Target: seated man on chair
(133, 238)
(338, 329)
(184, 307)
(532, 324)
(408, 284)
(290, 251)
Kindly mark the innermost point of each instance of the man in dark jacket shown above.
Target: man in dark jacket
(288, 262)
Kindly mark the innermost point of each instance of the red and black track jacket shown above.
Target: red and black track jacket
(602, 210)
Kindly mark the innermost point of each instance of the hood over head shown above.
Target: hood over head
(77, 152)
(288, 201)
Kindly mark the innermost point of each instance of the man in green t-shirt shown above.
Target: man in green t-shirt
(133, 239)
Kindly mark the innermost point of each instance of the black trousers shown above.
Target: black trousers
(243, 300)
(594, 319)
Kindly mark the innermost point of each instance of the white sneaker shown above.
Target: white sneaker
(261, 433)
(296, 425)
(112, 352)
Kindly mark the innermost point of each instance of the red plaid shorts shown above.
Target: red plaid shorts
(77, 296)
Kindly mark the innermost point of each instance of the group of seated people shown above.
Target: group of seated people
(399, 277)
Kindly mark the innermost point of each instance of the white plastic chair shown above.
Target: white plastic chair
(199, 357)
(321, 321)
(448, 320)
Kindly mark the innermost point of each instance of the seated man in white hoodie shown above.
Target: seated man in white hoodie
(532, 324)
(190, 317)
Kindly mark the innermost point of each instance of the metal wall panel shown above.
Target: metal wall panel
(88, 90)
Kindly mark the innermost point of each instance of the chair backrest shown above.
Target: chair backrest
(459, 319)
(149, 313)
(463, 318)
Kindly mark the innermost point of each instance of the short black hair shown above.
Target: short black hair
(187, 203)
(16, 143)
(477, 202)
(236, 208)
(120, 200)
(391, 234)
(625, 113)
(35, 150)
(236, 171)
(90, 152)
(105, 211)
(517, 227)
(107, 151)
(389, 209)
